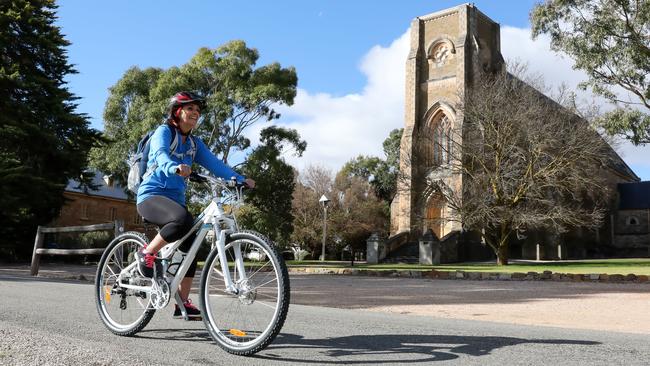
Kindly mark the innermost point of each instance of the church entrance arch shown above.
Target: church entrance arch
(434, 215)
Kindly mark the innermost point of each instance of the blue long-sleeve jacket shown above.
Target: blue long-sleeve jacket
(164, 181)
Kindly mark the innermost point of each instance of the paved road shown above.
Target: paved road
(55, 322)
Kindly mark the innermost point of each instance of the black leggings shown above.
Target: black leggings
(174, 221)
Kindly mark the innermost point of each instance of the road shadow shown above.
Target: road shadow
(175, 334)
(391, 348)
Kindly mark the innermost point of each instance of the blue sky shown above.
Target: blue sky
(349, 56)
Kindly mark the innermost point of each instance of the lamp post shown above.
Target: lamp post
(324, 201)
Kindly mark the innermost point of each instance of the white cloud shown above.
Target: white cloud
(340, 128)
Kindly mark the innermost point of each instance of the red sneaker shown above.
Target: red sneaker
(193, 313)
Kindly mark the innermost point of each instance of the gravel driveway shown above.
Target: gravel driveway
(621, 307)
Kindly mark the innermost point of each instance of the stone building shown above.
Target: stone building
(109, 202)
(448, 49)
(631, 222)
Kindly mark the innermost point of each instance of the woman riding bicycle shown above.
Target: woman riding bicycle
(161, 195)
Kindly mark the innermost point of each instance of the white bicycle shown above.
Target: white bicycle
(244, 289)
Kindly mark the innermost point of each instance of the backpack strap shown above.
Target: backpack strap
(176, 142)
(193, 148)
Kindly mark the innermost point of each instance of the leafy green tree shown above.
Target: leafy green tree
(43, 141)
(610, 41)
(125, 119)
(392, 147)
(382, 174)
(238, 95)
(271, 199)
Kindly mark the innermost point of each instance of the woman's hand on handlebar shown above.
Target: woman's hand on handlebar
(184, 170)
(249, 183)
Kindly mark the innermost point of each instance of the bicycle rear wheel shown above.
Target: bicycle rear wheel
(123, 311)
(246, 322)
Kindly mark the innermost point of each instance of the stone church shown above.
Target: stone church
(447, 49)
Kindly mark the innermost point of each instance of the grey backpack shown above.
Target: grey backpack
(139, 158)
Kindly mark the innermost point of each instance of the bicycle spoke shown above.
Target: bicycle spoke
(264, 284)
(112, 272)
(114, 276)
(218, 272)
(259, 269)
(265, 304)
(267, 296)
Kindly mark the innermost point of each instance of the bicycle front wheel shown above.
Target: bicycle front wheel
(123, 311)
(245, 322)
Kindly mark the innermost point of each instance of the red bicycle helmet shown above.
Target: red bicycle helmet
(180, 99)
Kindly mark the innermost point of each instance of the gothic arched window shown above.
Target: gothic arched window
(439, 148)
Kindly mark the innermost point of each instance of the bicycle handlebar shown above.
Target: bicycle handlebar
(219, 186)
(200, 178)
(197, 178)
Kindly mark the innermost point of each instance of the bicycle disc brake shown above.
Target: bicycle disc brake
(246, 293)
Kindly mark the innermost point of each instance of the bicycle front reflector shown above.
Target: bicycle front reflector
(237, 333)
(107, 294)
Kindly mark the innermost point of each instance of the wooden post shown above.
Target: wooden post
(38, 243)
(119, 227)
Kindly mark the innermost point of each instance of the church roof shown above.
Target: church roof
(634, 195)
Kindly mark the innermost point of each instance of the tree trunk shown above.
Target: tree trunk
(502, 254)
(498, 241)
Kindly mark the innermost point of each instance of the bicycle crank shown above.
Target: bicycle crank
(160, 294)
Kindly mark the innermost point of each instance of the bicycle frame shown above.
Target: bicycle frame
(213, 217)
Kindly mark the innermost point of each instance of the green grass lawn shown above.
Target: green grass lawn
(638, 266)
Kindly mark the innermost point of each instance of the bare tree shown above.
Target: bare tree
(527, 164)
(356, 212)
(318, 178)
(308, 215)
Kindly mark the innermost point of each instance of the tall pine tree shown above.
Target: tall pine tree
(43, 141)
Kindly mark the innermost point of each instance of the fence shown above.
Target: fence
(117, 225)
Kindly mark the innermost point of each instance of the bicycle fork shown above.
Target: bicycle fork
(238, 270)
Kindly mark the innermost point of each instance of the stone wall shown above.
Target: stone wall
(82, 209)
(632, 222)
(632, 232)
